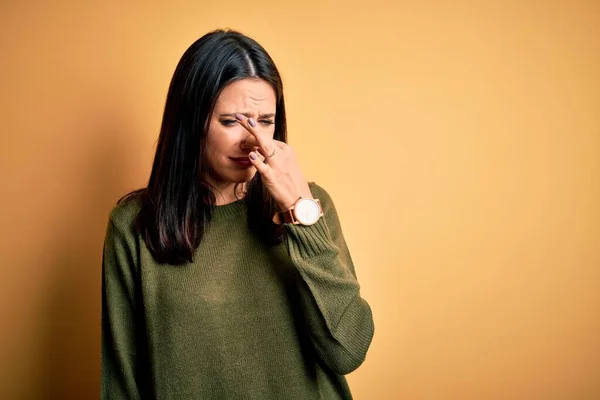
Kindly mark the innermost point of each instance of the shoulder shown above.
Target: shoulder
(121, 245)
(124, 213)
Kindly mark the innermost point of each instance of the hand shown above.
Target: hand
(280, 171)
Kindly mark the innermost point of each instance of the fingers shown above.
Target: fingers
(261, 167)
(251, 144)
(265, 144)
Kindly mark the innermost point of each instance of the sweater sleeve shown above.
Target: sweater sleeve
(339, 320)
(119, 350)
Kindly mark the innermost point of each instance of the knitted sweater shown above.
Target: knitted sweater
(242, 321)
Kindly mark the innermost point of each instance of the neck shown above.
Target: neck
(226, 193)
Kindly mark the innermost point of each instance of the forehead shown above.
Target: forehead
(246, 94)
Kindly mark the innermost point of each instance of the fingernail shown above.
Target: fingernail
(252, 122)
(253, 156)
(239, 117)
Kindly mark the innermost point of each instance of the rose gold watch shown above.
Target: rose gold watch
(305, 211)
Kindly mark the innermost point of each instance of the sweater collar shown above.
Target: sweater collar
(233, 209)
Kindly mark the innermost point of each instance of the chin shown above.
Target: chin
(242, 176)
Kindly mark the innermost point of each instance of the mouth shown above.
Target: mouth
(242, 161)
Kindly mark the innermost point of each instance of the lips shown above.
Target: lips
(243, 161)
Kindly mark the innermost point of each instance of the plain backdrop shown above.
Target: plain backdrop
(458, 139)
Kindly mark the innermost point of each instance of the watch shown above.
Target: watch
(305, 211)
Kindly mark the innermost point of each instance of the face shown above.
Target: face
(225, 148)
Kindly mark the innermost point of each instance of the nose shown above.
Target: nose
(243, 143)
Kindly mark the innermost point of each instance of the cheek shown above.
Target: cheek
(220, 143)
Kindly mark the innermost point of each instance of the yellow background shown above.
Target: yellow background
(459, 139)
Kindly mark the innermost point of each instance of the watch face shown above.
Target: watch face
(307, 211)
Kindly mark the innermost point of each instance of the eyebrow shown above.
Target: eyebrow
(248, 115)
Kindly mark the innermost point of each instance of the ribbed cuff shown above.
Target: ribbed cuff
(309, 241)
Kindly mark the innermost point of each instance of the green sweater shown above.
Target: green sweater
(242, 321)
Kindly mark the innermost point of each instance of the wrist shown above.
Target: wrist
(286, 205)
(293, 198)
(289, 203)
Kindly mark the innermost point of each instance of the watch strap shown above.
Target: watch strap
(286, 216)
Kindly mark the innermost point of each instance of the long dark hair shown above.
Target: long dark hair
(177, 204)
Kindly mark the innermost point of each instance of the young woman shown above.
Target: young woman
(228, 276)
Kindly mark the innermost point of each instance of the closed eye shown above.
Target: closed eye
(228, 122)
(233, 122)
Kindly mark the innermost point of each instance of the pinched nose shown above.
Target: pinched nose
(247, 145)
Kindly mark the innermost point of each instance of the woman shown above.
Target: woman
(228, 277)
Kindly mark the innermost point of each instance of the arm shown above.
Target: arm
(119, 350)
(340, 322)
